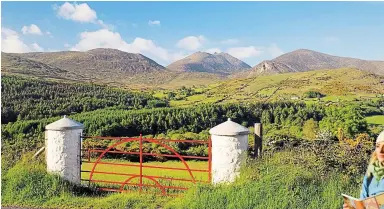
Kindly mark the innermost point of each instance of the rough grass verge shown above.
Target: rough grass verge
(276, 181)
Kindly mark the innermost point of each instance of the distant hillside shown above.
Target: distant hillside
(135, 71)
(18, 64)
(104, 66)
(306, 60)
(102, 60)
(219, 63)
(334, 84)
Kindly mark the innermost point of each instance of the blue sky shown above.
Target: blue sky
(167, 31)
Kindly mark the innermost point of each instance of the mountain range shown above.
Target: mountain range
(303, 60)
(118, 68)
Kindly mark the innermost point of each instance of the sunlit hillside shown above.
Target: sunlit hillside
(331, 85)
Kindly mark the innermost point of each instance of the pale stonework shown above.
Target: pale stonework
(63, 153)
(229, 151)
(228, 154)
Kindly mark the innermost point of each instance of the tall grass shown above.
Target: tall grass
(28, 184)
(276, 181)
(273, 183)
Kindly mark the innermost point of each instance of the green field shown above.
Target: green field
(161, 173)
(376, 120)
(336, 85)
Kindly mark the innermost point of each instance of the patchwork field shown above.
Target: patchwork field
(335, 85)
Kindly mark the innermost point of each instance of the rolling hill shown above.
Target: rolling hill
(335, 84)
(306, 60)
(218, 63)
(100, 59)
(104, 66)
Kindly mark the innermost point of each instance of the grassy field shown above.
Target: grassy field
(375, 120)
(337, 85)
(161, 173)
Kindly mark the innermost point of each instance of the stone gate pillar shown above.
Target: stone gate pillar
(229, 151)
(63, 148)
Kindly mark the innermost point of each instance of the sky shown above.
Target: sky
(168, 31)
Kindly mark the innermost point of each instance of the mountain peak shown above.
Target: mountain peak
(302, 60)
(200, 53)
(219, 63)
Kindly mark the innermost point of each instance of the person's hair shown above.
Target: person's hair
(373, 157)
(371, 161)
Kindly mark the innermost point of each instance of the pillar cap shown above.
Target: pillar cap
(64, 124)
(229, 128)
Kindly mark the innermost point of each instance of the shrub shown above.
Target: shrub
(313, 94)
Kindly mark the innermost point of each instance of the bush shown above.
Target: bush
(157, 103)
(313, 94)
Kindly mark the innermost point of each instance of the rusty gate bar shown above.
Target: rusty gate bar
(163, 140)
(150, 154)
(153, 178)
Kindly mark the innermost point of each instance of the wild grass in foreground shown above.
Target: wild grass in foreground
(276, 182)
(282, 180)
(27, 184)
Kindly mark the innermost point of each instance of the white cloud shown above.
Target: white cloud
(76, 12)
(49, 34)
(105, 38)
(230, 41)
(213, 50)
(36, 47)
(32, 29)
(11, 43)
(191, 42)
(103, 25)
(244, 52)
(154, 23)
(67, 45)
(79, 13)
(274, 50)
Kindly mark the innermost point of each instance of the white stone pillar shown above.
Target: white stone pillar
(229, 151)
(63, 148)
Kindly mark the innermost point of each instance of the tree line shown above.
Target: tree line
(29, 99)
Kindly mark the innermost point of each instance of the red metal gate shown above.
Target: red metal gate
(109, 178)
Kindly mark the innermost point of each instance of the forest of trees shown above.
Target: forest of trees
(28, 99)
